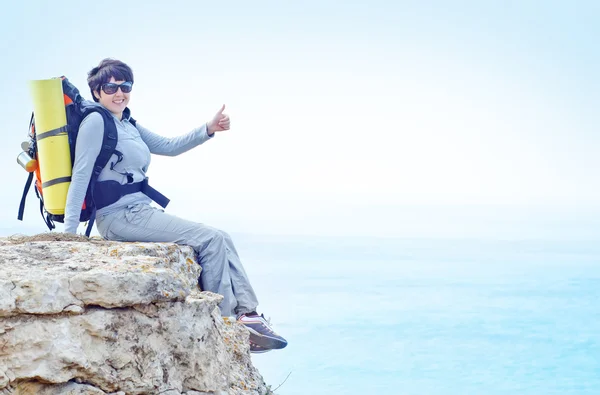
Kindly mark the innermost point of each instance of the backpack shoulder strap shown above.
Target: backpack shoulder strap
(109, 145)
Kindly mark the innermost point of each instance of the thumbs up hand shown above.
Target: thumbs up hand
(219, 122)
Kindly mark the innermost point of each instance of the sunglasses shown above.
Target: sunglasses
(110, 87)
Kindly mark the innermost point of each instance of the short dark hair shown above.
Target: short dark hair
(106, 69)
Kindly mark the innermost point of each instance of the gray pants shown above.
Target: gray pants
(222, 271)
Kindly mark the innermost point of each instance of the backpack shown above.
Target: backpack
(76, 109)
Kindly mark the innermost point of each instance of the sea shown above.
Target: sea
(428, 316)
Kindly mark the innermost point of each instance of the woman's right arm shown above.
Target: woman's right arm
(87, 149)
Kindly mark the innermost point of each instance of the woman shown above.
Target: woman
(131, 218)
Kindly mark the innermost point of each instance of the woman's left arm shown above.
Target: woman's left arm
(172, 146)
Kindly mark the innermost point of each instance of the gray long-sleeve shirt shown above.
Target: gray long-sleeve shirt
(136, 144)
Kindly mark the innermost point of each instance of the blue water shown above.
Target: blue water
(429, 316)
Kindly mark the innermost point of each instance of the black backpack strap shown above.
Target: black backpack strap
(49, 223)
(47, 220)
(31, 122)
(109, 192)
(90, 225)
(109, 145)
(42, 213)
(24, 197)
(27, 183)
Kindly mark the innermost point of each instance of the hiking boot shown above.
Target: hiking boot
(262, 337)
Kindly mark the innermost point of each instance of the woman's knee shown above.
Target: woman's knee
(219, 234)
(210, 237)
(216, 236)
(225, 235)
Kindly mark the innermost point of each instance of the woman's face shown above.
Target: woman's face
(115, 102)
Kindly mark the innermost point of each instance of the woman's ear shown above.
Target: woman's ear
(97, 95)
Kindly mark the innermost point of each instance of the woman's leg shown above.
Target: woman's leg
(239, 280)
(222, 271)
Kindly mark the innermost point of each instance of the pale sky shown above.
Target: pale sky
(344, 114)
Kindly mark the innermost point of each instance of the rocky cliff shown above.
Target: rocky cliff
(84, 316)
